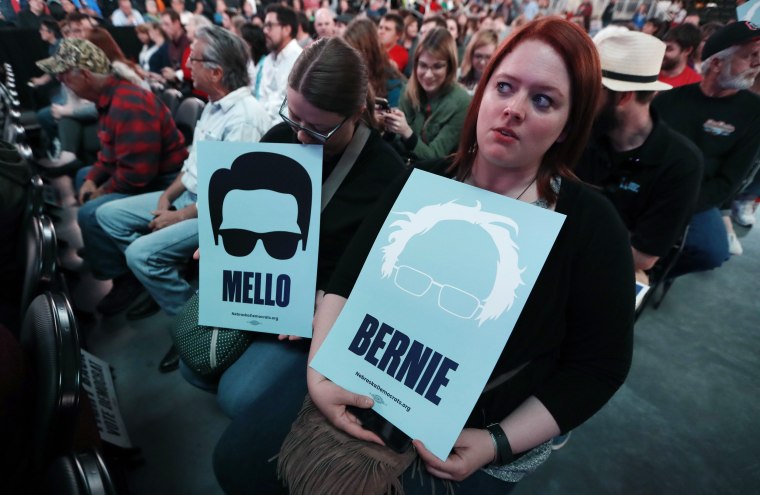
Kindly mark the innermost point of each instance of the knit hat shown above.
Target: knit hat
(736, 33)
(630, 60)
(76, 54)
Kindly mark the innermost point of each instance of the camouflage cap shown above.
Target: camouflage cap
(76, 54)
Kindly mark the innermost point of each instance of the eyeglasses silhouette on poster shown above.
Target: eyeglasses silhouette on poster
(454, 300)
(262, 197)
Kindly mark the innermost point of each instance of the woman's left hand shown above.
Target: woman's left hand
(472, 450)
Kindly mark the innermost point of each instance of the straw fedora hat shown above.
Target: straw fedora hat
(630, 60)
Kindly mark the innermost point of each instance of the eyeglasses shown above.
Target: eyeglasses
(205, 60)
(451, 299)
(481, 57)
(270, 25)
(322, 138)
(434, 68)
(279, 245)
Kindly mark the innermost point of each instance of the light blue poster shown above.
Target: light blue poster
(749, 11)
(258, 227)
(435, 303)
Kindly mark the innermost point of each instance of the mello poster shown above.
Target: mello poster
(258, 228)
(435, 303)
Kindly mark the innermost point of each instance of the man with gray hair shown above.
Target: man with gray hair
(723, 119)
(218, 60)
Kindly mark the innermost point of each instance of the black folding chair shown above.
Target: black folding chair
(79, 474)
(659, 281)
(38, 253)
(171, 98)
(188, 113)
(50, 337)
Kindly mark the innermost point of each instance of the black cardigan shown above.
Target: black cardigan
(576, 329)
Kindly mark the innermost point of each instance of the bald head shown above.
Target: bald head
(324, 23)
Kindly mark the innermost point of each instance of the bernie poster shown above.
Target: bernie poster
(258, 229)
(435, 303)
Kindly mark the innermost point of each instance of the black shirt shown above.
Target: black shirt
(727, 130)
(653, 187)
(576, 329)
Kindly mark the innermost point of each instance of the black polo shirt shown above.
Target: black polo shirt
(653, 187)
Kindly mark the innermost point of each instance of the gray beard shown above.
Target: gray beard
(738, 82)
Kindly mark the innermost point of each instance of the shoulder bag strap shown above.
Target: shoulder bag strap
(345, 163)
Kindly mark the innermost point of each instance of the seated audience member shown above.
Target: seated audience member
(126, 15)
(389, 31)
(649, 172)
(326, 104)
(178, 6)
(219, 63)
(563, 342)
(722, 118)
(50, 33)
(302, 35)
(479, 51)
(280, 27)
(148, 47)
(681, 42)
(429, 119)
(384, 79)
(31, 17)
(160, 58)
(411, 33)
(178, 40)
(341, 23)
(324, 23)
(428, 24)
(705, 31)
(182, 76)
(141, 149)
(151, 12)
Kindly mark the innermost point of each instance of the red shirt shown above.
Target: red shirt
(138, 139)
(398, 54)
(687, 76)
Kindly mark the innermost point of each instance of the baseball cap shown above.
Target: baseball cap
(736, 33)
(76, 54)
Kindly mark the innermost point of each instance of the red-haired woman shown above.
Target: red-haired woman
(525, 129)
(527, 125)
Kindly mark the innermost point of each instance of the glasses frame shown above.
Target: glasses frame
(441, 287)
(322, 138)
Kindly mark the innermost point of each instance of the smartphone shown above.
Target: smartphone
(394, 438)
(383, 104)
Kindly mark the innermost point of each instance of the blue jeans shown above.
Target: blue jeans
(154, 257)
(100, 249)
(264, 366)
(706, 244)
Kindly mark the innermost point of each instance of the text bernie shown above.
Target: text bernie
(418, 367)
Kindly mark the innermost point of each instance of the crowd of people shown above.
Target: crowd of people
(657, 114)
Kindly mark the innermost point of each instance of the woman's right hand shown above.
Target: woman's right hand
(332, 400)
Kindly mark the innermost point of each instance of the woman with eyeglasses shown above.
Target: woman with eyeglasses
(326, 104)
(479, 51)
(571, 347)
(429, 119)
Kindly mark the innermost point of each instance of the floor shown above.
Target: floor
(686, 421)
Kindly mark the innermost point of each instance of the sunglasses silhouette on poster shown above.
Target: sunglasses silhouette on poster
(451, 299)
(262, 197)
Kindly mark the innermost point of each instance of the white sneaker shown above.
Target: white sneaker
(734, 246)
(65, 158)
(743, 212)
(55, 152)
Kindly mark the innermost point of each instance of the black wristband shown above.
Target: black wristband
(503, 449)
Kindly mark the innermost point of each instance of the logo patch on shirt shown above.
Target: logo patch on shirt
(626, 185)
(718, 128)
